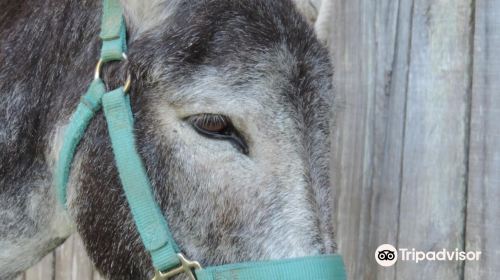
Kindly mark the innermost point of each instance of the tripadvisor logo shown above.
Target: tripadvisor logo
(387, 255)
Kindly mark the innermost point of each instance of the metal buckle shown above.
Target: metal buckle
(97, 73)
(186, 266)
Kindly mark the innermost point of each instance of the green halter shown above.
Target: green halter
(151, 224)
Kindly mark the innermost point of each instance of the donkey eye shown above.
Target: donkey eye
(218, 127)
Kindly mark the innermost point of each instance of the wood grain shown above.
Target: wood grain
(43, 270)
(72, 262)
(434, 175)
(483, 202)
(69, 261)
(400, 149)
(369, 45)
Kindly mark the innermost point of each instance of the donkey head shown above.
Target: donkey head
(232, 102)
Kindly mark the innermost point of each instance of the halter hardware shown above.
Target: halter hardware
(186, 266)
(148, 217)
(98, 70)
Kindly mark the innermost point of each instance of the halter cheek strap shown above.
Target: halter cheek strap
(150, 222)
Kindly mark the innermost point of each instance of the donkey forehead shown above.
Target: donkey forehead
(275, 78)
(251, 82)
(241, 57)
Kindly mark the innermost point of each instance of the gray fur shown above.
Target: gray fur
(257, 62)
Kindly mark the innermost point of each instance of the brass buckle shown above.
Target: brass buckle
(186, 266)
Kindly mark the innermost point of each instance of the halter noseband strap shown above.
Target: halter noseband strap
(151, 224)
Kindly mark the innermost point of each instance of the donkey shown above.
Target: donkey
(232, 102)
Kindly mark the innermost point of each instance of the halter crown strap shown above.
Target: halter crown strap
(113, 31)
(149, 220)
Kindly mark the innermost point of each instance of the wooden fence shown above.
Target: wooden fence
(416, 148)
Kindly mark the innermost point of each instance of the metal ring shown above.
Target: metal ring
(128, 82)
(97, 72)
(98, 68)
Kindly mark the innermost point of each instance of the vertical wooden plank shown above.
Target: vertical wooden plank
(370, 48)
(483, 204)
(84, 268)
(72, 261)
(64, 260)
(353, 64)
(393, 38)
(43, 270)
(436, 136)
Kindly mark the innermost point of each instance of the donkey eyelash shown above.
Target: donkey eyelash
(210, 120)
(218, 127)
